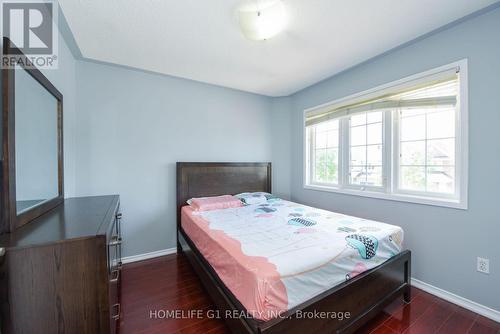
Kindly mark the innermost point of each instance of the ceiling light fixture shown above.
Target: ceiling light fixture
(260, 20)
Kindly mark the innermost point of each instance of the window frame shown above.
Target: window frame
(311, 158)
(347, 184)
(390, 188)
(397, 160)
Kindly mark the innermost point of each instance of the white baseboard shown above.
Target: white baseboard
(150, 255)
(455, 299)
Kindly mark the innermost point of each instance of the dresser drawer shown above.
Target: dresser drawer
(114, 299)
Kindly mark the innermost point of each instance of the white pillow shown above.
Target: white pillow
(253, 198)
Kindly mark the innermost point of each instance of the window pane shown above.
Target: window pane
(433, 156)
(374, 155)
(358, 120)
(413, 128)
(366, 149)
(326, 166)
(412, 178)
(321, 139)
(441, 179)
(441, 124)
(325, 152)
(374, 133)
(441, 152)
(332, 165)
(374, 176)
(413, 153)
(374, 117)
(358, 135)
(333, 138)
(358, 155)
(320, 166)
(358, 175)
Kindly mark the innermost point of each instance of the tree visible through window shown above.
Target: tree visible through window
(326, 148)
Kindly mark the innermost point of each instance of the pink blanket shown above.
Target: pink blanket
(253, 280)
(279, 254)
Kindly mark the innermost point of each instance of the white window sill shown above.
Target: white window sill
(443, 202)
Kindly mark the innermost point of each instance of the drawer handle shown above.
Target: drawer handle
(115, 241)
(119, 215)
(117, 315)
(116, 274)
(2, 251)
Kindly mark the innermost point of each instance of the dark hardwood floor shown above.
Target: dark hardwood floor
(168, 283)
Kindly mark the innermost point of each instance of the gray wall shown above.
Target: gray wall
(445, 242)
(281, 148)
(132, 128)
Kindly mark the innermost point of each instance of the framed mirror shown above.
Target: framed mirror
(32, 136)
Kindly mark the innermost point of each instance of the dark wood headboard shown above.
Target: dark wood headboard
(201, 179)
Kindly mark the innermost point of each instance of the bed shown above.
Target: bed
(362, 293)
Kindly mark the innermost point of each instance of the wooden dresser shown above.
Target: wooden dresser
(61, 272)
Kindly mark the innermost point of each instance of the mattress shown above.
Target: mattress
(277, 255)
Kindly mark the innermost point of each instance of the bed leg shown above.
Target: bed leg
(179, 246)
(407, 293)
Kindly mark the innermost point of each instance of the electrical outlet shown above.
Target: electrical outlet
(483, 265)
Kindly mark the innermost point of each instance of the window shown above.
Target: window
(325, 160)
(404, 141)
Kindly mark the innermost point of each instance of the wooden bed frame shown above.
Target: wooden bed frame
(363, 296)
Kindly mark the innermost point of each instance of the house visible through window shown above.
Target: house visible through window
(405, 141)
(427, 143)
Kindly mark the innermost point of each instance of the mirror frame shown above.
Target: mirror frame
(10, 219)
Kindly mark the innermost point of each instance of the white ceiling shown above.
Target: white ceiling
(201, 40)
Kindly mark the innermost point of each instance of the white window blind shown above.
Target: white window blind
(435, 91)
